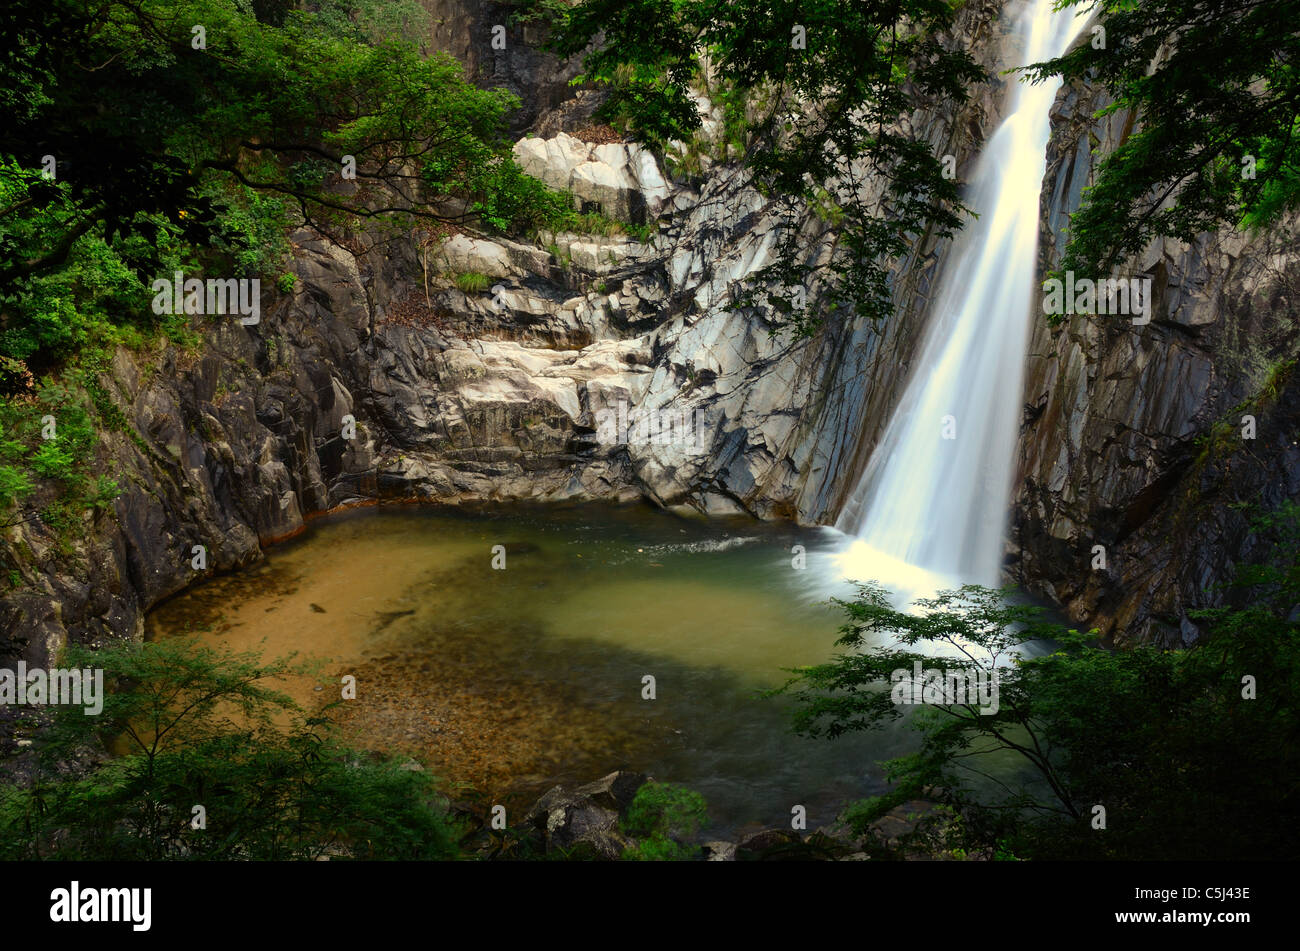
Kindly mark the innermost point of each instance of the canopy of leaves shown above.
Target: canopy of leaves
(1216, 88)
(837, 77)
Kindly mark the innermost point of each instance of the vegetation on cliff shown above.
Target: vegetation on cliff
(212, 129)
(837, 81)
(1216, 90)
(143, 139)
(834, 78)
(146, 138)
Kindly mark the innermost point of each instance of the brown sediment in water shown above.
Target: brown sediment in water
(506, 738)
(430, 684)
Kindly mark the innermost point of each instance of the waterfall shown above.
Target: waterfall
(929, 510)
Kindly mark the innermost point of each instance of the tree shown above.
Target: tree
(195, 132)
(1216, 89)
(830, 81)
(201, 726)
(1190, 753)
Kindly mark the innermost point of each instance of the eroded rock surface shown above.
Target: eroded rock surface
(1119, 445)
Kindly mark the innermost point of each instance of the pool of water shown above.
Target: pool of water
(511, 679)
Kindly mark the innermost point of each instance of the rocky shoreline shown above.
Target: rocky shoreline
(589, 821)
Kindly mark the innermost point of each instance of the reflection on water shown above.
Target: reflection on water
(513, 680)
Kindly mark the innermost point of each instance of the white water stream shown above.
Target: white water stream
(929, 511)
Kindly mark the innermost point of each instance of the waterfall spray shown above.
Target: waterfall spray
(929, 510)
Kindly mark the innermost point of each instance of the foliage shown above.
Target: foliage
(831, 120)
(372, 21)
(642, 233)
(595, 223)
(472, 282)
(55, 313)
(62, 463)
(171, 154)
(14, 485)
(500, 192)
(657, 847)
(203, 726)
(167, 154)
(1217, 91)
(661, 816)
(251, 230)
(1167, 742)
(537, 11)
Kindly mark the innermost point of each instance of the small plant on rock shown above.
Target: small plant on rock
(664, 817)
(472, 282)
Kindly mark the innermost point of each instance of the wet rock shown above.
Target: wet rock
(622, 180)
(500, 395)
(615, 791)
(455, 396)
(771, 845)
(569, 820)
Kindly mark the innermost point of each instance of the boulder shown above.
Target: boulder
(586, 817)
(621, 180)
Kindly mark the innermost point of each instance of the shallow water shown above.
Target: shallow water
(513, 680)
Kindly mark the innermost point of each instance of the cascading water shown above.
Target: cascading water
(930, 509)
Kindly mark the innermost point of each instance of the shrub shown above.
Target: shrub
(472, 282)
(1175, 743)
(14, 485)
(661, 815)
(205, 725)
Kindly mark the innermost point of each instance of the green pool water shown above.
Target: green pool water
(513, 679)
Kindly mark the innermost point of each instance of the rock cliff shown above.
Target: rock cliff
(1138, 437)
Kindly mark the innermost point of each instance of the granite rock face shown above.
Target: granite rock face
(620, 179)
(500, 51)
(1135, 436)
